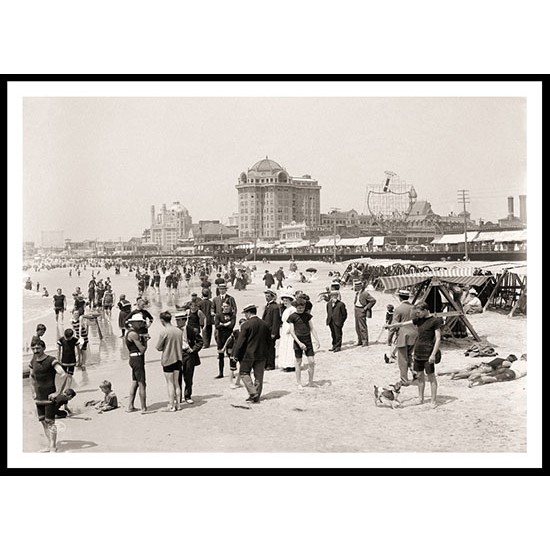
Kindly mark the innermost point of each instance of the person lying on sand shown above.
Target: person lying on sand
(504, 374)
(485, 367)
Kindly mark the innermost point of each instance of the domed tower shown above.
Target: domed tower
(181, 218)
(169, 225)
(269, 197)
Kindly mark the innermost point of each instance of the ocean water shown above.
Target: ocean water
(104, 347)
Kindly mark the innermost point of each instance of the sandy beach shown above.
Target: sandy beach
(338, 415)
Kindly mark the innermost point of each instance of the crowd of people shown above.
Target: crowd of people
(282, 334)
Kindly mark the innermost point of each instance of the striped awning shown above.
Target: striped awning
(296, 244)
(355, 241)
(455, 238)
(509, 236)
(327, 241)
(402, 281)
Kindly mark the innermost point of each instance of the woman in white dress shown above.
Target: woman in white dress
(286, 358)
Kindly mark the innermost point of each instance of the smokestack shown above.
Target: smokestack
(152, 215)
(510, 207)
(523, 208)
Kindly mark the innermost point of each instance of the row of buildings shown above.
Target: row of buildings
(278, 209)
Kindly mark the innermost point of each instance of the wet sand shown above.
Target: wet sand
(338, 415)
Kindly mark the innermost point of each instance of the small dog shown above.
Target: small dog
(388, 396)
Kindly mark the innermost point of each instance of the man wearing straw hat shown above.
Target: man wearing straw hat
(363, 303)
(406, 335)
(336, 317)
(251, 351)
(192, 344)
(272, 316)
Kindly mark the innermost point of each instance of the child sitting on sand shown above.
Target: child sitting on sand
(109, 401)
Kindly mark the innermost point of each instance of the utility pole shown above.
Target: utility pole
(255, 235)
(334, 211)
(463, 196)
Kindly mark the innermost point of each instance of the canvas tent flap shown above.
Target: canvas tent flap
(378, 241)
(401, 281)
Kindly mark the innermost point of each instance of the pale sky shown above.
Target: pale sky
(93, 167)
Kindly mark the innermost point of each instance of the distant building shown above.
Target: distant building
(511, 221)
(210, 230)
(169, 225)
(233, 221)
(293, 232)
(340, 218)
(270, 198)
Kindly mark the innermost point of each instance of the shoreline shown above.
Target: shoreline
(337, 416)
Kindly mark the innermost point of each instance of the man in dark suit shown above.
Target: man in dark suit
(272, 316)
(336, 317)
(219, 280)
(363, 304)
(280, 276)
(192, 344)
(206, 307)
(223, 297)
(268, 278)
(251, 351)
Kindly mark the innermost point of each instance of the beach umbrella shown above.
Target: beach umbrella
(311, 270)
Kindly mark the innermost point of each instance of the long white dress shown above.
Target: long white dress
(285, 358)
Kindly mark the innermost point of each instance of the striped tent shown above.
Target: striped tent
(433, 284)
(402, 281)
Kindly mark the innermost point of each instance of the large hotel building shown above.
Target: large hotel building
(270, 198)
(169, 225)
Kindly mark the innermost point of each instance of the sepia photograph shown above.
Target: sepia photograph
(321, 274)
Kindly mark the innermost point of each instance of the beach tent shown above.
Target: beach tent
(510, 290)
(428, 282)
(372, 270)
